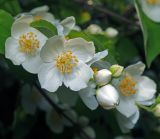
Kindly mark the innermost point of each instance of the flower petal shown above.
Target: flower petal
(43, 8)
(151, 10)
(32, 63)
(135, 69)
(98, 56)
(68, 24)
(127, 106)
(127, 123)
(83, 49)
(12, 51)
(79, 78)
(52, 48)
(89, 100)
(49, 76)
(146, 89)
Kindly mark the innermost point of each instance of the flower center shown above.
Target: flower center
(29, 43)
(128, 86)
(38, 17)
(66, 62)
(153, 1)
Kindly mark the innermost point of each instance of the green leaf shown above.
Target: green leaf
(151, 31)
(6, 21)
(45, 27)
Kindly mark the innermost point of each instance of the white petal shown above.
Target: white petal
(146, 89)
(151, 10)
(68, 24)
(48, 17)
(88, 97)
(135, 69)
(12, 51)
(127, 106)
(52, 48)
(83, 49)
(43, 8)
(24, 18)
(49, 77)
(147, 102)
(98, 56)
(127, 123)
(32, 63)
(79, 78)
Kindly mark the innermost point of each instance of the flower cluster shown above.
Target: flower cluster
(68, 64)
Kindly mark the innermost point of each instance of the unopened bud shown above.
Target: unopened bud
(107, 96)
(116, 70)
(157, 110)
(103, 77)
(94, 29)
(111, 32)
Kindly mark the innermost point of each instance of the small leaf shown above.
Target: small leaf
(6, 21)
(151, 31)
(45, 27)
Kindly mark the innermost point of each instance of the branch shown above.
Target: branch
(60, 111)
(109, 13)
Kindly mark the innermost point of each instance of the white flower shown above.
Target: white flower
(39, 13)
(94, 29)
(157, 110)
(88, 94)
(65, 62)
(24, 45)
(42, 13)
(151, 8)
(103, 77)
(116, 70)
(107, 96)
(111, 32)
(134, 89)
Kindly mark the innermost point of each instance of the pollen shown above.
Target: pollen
(38, 17)
(66, 62)
(29, 43)
(154, 1)
(128, 86)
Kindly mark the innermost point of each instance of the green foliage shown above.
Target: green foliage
(45, 27)
(11, 6)
(6, 21)
(151, 32)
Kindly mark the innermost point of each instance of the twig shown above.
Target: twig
(60, 111)
(109, 13)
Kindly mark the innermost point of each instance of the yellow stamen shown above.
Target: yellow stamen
(66, 62)
(38, 17)
(128, 86)
(95, 70)
(153, 1)
(29, 43)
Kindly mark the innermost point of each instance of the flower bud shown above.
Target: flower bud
(103, 77)
(157, 110)
(111, 32)
(107, 96)
(116, 70)
(94, 29)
